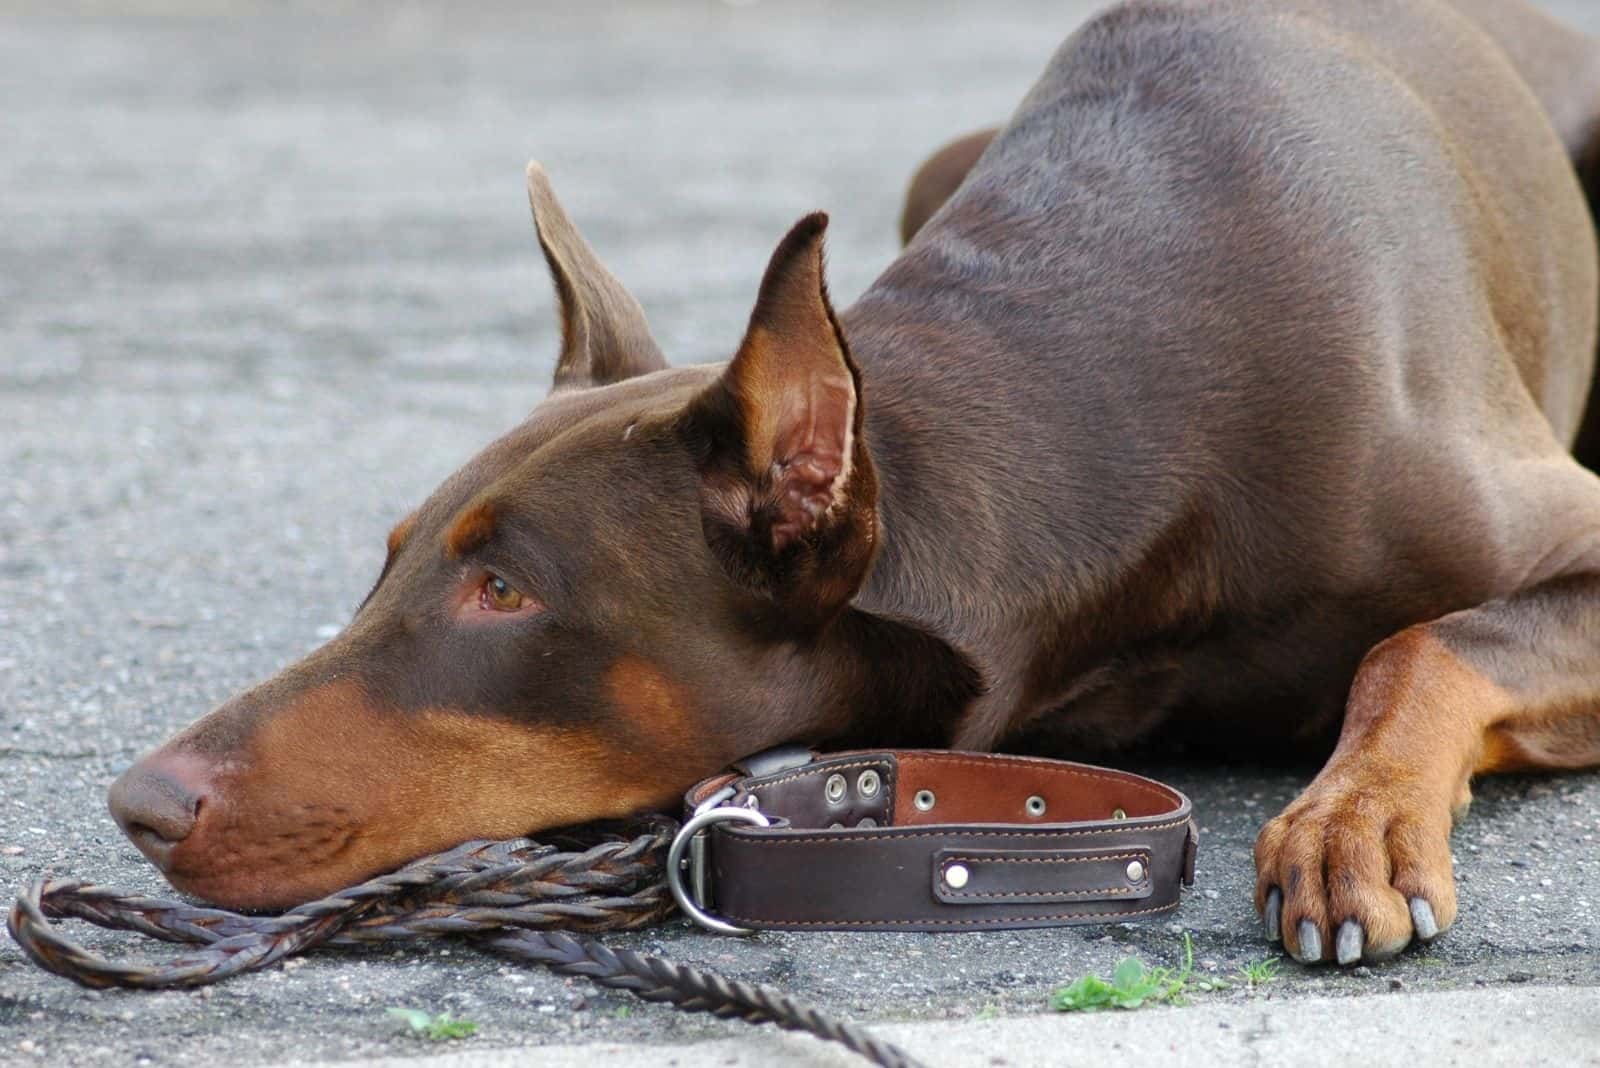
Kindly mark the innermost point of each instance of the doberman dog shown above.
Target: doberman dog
(1229, 400)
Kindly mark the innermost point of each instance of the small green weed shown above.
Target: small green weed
(1260, 973)
(435, 1028)
(1133, 985)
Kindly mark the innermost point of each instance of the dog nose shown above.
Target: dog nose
(156, 804)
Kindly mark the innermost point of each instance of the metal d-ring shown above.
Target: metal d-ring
(687, 834)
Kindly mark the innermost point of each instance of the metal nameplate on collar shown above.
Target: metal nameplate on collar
(772, 761)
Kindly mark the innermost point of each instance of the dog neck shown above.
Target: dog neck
(1041, 560)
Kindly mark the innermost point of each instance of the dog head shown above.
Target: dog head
(648, 578)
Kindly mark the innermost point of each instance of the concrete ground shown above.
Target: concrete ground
(267, 275)
(1472, 1028)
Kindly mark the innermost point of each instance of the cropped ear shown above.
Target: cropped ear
(604, 336)
(788, 494)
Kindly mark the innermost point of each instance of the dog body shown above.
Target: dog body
(1229, 399)
(1279, 344)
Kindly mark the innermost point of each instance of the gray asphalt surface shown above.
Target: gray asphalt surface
(267, 276)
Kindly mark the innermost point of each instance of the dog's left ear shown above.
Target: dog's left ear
(604, 336)
(788, 495)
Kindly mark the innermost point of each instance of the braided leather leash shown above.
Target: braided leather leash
(518, 898)
(928, 840)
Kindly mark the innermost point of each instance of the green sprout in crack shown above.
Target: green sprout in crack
(1259, 973)
(439, 1027)
(1132, 986)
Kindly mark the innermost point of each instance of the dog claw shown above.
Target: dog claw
(1272, 916)
(1310, 943)
(1422, 920)
(1347, 948)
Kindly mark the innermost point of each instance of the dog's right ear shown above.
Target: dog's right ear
(604, 336)
(788, 493)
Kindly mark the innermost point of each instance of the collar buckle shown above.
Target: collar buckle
(687, 859)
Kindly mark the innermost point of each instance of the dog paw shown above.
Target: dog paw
(1355, 871)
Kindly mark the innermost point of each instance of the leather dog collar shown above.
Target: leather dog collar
(928, 840)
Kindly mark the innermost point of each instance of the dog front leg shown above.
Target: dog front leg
(1359, 864)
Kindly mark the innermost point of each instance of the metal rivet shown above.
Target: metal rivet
(835, 826)
(1035, 805)
(923, 800)
(1135, 871)
(868, 783)
(1118, 814)
(955, 876)
(833, 789)
(867, 821)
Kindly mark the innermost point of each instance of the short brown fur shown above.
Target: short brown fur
(1228, 398)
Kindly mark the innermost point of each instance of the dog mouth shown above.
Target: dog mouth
(270, 881)
(194, 821)
(267, 862)
(264, 806)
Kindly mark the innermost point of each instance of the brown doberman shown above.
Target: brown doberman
(1228, 401)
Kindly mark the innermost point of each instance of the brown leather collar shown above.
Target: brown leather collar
(933, 840)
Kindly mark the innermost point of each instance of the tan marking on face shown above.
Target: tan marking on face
(652, 703)
(400, 532)
(471, 529)
(336, 788)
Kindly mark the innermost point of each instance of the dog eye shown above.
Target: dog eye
(498, 595)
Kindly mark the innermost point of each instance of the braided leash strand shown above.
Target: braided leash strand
(501, 895)
(651, 978)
